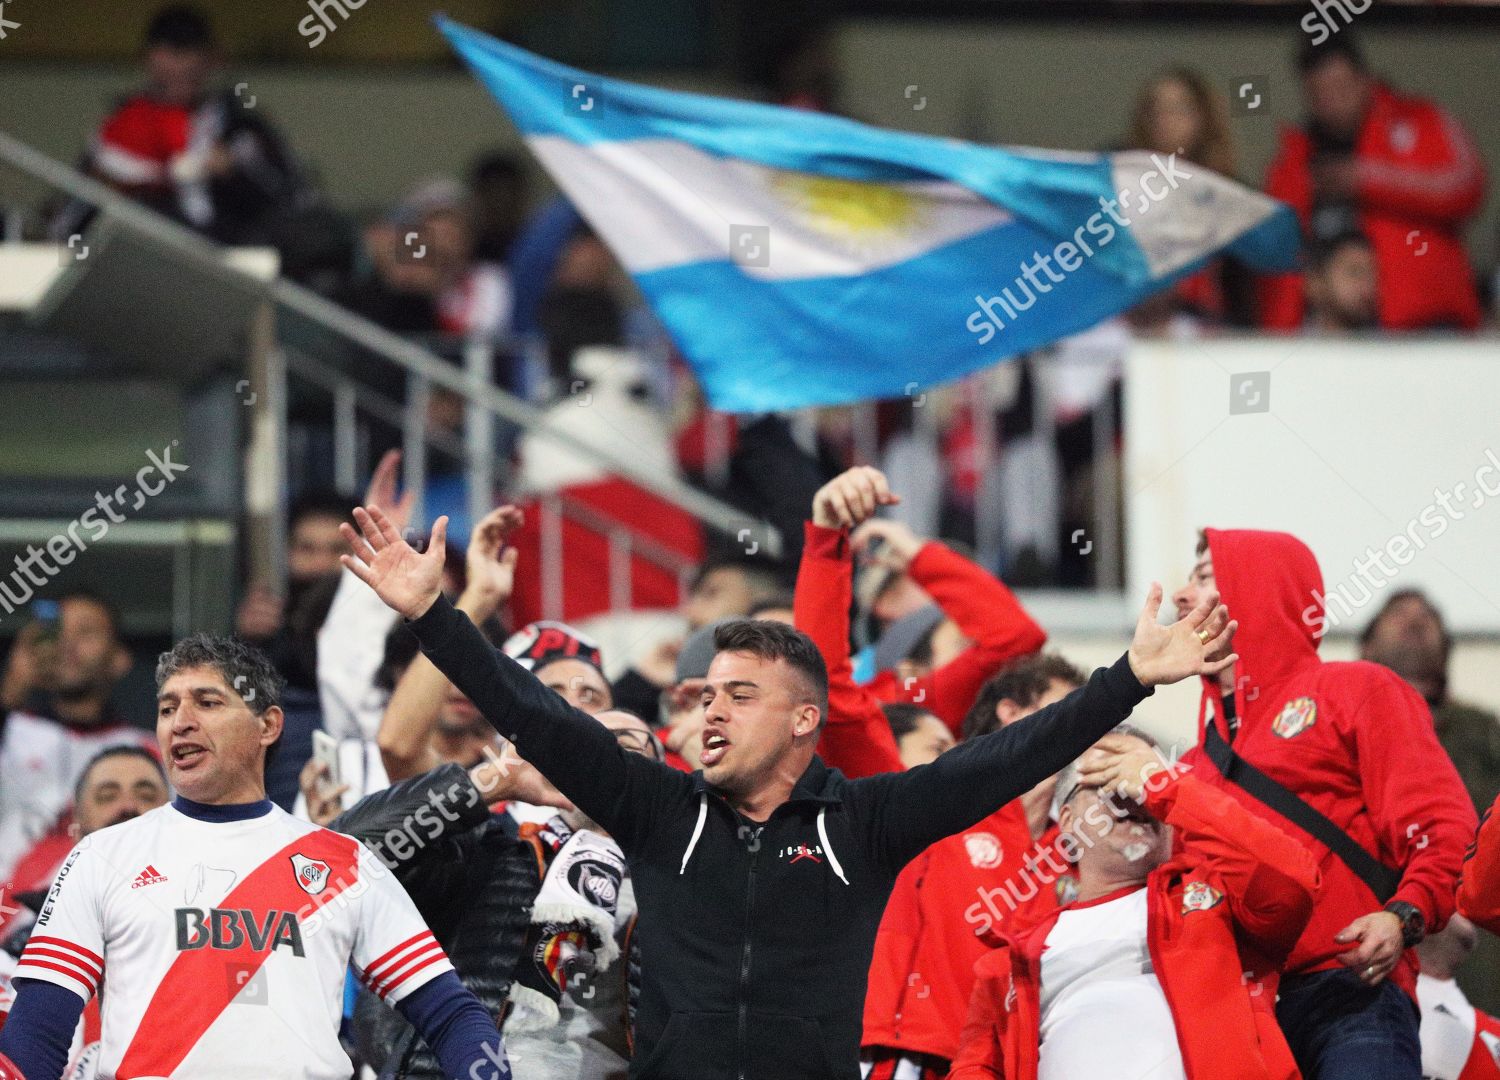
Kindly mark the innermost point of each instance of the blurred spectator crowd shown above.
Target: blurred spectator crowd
(1383, 182)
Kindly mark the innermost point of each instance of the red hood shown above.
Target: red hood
(1271, 583)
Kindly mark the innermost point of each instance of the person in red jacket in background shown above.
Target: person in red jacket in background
(1397, 168)
(1479, 889)
(978, 605)
(1459, 1042)
(1164, 968)
(1344, 757)
(200, 154)
(956, 890)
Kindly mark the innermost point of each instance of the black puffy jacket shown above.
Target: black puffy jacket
(474, 883)
(756, 937)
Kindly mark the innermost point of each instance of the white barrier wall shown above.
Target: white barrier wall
(1383, 455)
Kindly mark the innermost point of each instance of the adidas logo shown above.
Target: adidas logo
(148, 876)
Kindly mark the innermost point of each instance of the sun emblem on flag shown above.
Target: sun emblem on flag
(311, 874)
(1295, 718)
(853, 211)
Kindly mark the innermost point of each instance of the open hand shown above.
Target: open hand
(852, 497)
(1196, 644)
(490, 562)
(1122, 764)
(382, 491)
(408, 582)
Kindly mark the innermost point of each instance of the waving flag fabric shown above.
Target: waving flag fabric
(802, 259)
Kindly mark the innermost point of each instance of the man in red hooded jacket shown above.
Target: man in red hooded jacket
(1396, 168)
(1344, 757)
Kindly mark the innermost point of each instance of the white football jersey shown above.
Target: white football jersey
(219, 948)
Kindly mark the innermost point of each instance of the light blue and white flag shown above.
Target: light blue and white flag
(803, 259)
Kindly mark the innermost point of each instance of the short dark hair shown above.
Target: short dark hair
(903, 717)
(766, 577)
(401, 648)
(1343, 46)
(1397, 597)
(1022, 681)
(771, 602)
(244, 667)
(1321, 251)
(180, 26)
(110, 752)
(320, 502)
(496, 165)
(778, 641)
(90, 595)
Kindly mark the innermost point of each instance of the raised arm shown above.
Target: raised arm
(917, 808)
(856, 738)
(619, 790)
(351, 642)
(984, 609)
(411, 716)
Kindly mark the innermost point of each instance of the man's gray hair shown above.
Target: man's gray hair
(244, 667)
(1067, 780)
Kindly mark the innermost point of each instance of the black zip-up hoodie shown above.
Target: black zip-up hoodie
(757, 937)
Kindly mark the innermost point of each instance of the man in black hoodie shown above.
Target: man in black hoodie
(761, 879)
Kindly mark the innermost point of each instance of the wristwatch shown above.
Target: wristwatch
(1413, 923)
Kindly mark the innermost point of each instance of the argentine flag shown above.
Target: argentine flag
(804, 259)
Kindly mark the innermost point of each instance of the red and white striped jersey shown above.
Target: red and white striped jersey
(219, 947)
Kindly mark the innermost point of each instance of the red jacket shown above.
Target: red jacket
(922, 970)
(1353, 739)
(1479, 890)
(856, 737)
(1420, 178)
(1221, 913)
(985, 610)
(923, 961)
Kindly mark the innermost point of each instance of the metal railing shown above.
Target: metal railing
(273, 361)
